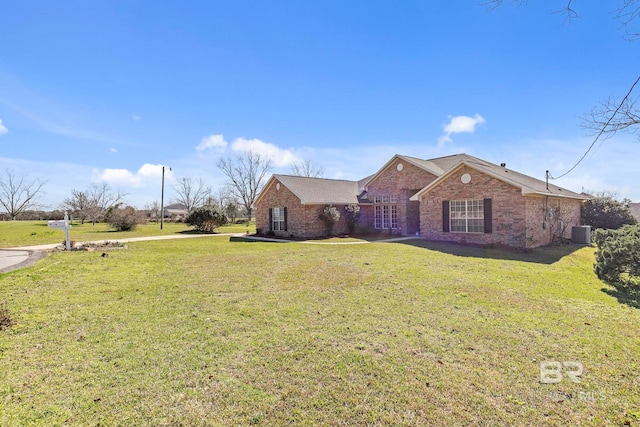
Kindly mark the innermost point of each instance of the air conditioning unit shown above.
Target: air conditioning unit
(581, 234)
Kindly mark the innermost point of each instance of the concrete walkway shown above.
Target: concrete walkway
(320, 242)
(132, 239)
(22, 256)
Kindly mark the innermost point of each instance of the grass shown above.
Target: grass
(28, 233)
(213, 332)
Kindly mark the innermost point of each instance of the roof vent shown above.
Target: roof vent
(504, 165)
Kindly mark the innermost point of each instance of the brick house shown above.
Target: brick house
(457, 198)
(635, 210)
(289, 205)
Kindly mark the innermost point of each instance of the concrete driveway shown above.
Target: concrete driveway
(11, 259)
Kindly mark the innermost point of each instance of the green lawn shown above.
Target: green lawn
(219, 332)
(26, 233)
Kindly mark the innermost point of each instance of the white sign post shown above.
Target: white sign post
(64, 226)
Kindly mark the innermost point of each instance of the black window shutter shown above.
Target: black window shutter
(488, 216)
(285, 219)
(270, 219)
(445, 216)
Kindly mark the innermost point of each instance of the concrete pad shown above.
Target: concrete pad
(10, 258)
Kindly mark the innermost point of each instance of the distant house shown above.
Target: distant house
(635, 210)
(457, 198)
(176, 212)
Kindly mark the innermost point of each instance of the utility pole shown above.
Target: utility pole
(162, 198)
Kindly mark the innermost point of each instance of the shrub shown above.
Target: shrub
(6, 320)
(123, 218)
(206, 219)
(329, 215)
(352, 215)
(604, 211)
(618, 255)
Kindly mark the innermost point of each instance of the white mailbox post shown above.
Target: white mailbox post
(64, 226)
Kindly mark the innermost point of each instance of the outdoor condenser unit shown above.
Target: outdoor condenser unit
(581, 234)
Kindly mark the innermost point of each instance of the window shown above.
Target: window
(466, 216)
(279, 219)
(394, 216)
(385, 212)
(385, 216)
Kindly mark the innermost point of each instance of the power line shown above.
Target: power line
(602, 131)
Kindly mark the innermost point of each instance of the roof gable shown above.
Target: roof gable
(317, 191)
(527, 184)
(425, 165)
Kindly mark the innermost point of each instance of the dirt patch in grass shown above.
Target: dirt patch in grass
(6, 319)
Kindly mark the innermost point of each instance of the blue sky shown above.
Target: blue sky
(106, 91)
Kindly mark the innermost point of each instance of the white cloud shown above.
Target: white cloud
(459, 124)
(118, 176)
(147, 174)
(113, 150)
(155, 171)
(212, 142)
(280, 157)
(3, 129)
(136, 117)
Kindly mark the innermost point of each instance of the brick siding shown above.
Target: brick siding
(517, 220)
(302, 220)
(403, 184)
(540, 228)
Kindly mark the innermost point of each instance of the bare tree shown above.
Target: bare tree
(612, 115)
(306, 168)
(104, 197)
(191, 194)
(18, 194)
(568, 9)
(77, 205)
(246, 175)
(153, 209)
(92, 203)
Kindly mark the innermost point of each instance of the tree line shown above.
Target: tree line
(245, 175)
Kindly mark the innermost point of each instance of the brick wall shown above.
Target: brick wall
(508, 209)
(517, 220)
(540, 226)
(302, 220)
(276, 198)
(403, 184)
(317, 228)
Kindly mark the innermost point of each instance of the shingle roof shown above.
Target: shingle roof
(527, 184)
(320, 190)
(428, 165)
(336, 191)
